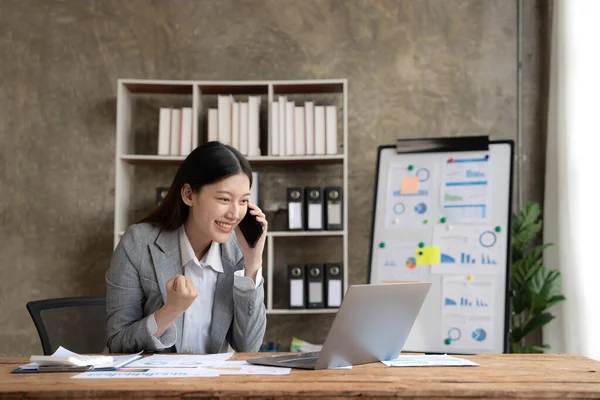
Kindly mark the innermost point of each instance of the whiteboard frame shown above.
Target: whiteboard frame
(442, 145)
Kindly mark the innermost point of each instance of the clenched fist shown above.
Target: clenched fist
(181, 293)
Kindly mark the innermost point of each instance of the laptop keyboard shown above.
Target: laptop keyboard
(301, 360)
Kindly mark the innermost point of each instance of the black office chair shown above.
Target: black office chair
(76, 323)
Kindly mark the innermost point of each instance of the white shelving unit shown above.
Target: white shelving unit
(126, 158)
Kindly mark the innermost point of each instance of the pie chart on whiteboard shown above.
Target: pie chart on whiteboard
(479, 335)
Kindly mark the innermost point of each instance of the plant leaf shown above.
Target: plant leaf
(531, 212)
(530, 349)
(516, 335)
(537, 251)
(537, 321)
(555, 300)
(519, 304)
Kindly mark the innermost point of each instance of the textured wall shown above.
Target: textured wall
(415, 68)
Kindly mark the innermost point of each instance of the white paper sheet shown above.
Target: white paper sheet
(128, 373)
(398, 263)
(468, 312)
(243, 368)
(334, 214)
(428, 361)
(295, 215)
(408, 210)
(461, 296)
(467, 333)
(334, 293)
(469, 250)
(315, 216)
(180, 361)
(297, 293)
(465, 191)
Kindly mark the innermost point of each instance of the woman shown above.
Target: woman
(179, 280)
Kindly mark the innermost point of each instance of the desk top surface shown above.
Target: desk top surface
(539, 376)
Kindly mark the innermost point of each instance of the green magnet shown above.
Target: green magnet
(382, 245)
(410, 167)
(421, 245)
(498, 229)
(448, 341)
(443, 220)
(426, 221)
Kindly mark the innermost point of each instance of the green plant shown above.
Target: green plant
(535, 288)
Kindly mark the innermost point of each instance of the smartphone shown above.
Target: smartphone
(251, 228)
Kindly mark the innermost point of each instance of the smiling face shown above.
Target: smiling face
(216, 209)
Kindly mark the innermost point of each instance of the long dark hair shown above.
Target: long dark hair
(208, 163)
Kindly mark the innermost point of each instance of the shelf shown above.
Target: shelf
(151, 160)
(294, 87)
(141, 159)
(164, 87)
(304, 311)
(234, 88)
(326, 159)
(291, 233)
(133, 169)
(305, 233)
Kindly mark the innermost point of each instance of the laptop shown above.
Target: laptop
(371, 325)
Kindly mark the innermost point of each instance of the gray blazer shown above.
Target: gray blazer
(145, 259)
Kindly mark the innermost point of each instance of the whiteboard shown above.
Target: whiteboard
(442, 215)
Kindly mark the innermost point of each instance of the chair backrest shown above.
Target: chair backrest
(76, 323)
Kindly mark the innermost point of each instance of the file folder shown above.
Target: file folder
(314, 287)
(333, 208)
(295, 199)
(314, 208)
(334, 284)
(296, 278)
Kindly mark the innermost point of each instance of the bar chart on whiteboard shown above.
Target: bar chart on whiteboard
(466, 192)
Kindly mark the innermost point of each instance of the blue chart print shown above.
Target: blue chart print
(465, 194)
(487, 239)
(421, 208)
(465, 302)
(466, 258)
(446, 259)
(475, 174)
(399, 208)
(467, 210)
(423, 174)
(389, 263)
(449, 302)
(479, 334)
(485, 259)
(454, 334)
(480, 303)
(469, 160)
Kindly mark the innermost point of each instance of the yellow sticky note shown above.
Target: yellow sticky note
(410, 185)
(428, 255)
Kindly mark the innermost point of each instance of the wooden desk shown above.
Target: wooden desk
(498, 376)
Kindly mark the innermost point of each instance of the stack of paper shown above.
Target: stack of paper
(62, 355)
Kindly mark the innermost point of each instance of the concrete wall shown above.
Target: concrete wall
(415, 69)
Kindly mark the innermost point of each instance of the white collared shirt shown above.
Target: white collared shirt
(198, 317)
